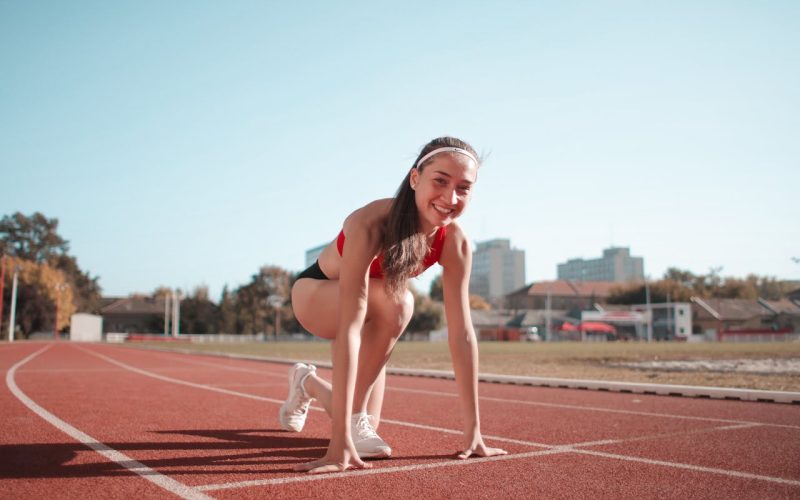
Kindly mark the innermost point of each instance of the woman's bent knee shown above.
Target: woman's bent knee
(391, 313)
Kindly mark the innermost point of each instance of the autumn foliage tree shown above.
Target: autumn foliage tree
(47, 274)
(41, 290)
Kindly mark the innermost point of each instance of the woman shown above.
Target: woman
(356, 295)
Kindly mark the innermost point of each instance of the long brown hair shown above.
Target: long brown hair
(404, 247)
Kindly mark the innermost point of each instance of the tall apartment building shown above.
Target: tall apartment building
(616, 264)
(497, 269)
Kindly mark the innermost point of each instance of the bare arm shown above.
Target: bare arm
(353, 289)
(457, 262)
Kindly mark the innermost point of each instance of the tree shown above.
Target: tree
(478, 303)
(226, 319)
(198, 313)
(680, 286)
(31, 238)
(254, 309)
(428, 315)
(437, 291)
(35, 239)
(40, 290)
(86, 288)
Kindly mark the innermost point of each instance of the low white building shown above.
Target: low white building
(86, 328)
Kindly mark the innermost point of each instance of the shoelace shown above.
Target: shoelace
(302, 408)
(364, 428)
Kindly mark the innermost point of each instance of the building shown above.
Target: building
(135, 314)
(497, 269)
(671, 320)
(728, 318)
(561, 294)
(313, 254)
(616, 265)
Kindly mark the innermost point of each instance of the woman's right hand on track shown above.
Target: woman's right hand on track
(335, 460)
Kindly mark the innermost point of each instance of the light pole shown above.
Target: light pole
(12, 319)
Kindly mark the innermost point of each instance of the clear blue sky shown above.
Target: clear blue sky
(185, 143)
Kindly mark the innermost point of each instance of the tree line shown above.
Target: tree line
(678, 285)
(51, 282)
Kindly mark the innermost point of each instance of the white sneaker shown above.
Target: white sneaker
(294, 411)
(368, 443)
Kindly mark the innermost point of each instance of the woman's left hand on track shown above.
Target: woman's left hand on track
(479, 448)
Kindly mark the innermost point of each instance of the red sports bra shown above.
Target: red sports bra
(375, 268)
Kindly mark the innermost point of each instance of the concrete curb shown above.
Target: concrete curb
(695, 391)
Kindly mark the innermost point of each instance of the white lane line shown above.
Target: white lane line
(518, 401)
(573, 448)
(268, 373)
(696, 468)
(458, 432)
(650, 437)
(111, 454)
(551, 448)
(280, 401)
(304, 478)
(70, 370)
(599, 409)
(164, 378)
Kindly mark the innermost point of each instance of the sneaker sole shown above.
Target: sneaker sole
(382, 453)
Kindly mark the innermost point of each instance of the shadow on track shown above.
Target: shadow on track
(242, 451)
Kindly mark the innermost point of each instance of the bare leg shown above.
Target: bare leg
(316, 301)
(319, 389)
(376, 346)
(375, 402)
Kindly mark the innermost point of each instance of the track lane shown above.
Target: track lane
(253, 452)
(66, 463)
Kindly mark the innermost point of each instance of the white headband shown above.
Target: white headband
(446, 150)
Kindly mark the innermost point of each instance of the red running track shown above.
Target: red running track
(104, 421)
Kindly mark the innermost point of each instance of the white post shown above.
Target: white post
(548, 323)
(166, 314)
(670, 330)
(12, 318)
(176, 314)
(649, 311)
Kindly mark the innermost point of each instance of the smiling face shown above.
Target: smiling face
(442, 189)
